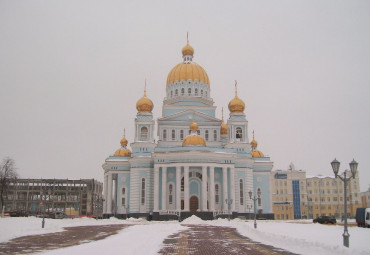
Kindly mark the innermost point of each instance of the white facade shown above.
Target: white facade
(209, 174)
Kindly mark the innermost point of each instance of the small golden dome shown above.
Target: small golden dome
(194, 126)
(122, 152)
(187, 50)
(257, 154)
(187, 71)
(236, 104)
(254, 144)
(194, 138)
(123, 142)
(144, 104)
(223, 129)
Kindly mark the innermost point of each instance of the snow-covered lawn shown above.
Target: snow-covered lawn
(301, 237)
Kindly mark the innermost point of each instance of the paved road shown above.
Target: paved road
(72, 236)
(215, 240)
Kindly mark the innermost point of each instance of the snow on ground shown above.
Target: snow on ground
(302, 237)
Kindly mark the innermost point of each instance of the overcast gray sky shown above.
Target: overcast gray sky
(72, 71)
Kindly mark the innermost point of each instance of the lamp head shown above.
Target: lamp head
(353, 165)
(250, 194)
(335, 165)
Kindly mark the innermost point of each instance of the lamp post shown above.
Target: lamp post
(353, 166)
(249, 207)
(254, 200)
(229, 202)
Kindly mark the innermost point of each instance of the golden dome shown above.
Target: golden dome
(144, 104)
(224, 129)
(193, 126)
(257, 154)
(123, 142)
(187, 71)
(236, 104)
(254, 144)
(122, 152)
(187, 50)
(194, 138)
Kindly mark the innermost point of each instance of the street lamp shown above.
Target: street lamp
(353, 166)
(249, 207)
(229, 202)
(254, 200)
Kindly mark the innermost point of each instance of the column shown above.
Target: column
(164, 188)
(224, 187)
(186, 188)
(232, 187)
(212, 188)
(109, 197)
(204, 188)
(105, 193)
(178, 188)
(156, 188)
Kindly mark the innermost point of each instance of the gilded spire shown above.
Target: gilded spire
(222, 114)
(236, 88)
(145, 88)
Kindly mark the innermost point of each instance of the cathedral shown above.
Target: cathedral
(196, 164)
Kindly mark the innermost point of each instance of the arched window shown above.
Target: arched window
(206, 93)
(176, 92)
(170, 195)
(143, 191)
(123, 202)
(206, 135)
(182, 91)
(259, 197)
(201, 92)
(171, 93)
(239, 133)
(241, 192)
(173, 134)
(181, 135)
(198, 132)
(217, 194)
(196, 92)
(214, 135)
(144, 134)
(164, 134)
(189, 91)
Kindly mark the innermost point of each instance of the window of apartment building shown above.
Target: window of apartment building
(214, 135)
(217, 194)
(164, 135)
(181, 135)
(207, 135)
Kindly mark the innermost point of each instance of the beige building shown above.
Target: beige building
(289, 196)
(296, 196)
(74, 197)
(365, 198)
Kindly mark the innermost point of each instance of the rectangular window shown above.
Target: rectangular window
(123, 201)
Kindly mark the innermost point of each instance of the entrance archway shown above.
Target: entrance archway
(194, 203)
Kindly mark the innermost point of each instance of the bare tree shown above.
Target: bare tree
(8, 174)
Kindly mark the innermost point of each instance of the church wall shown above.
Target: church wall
(263, 181)
(123, 181)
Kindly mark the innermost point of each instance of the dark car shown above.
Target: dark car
(325, 220)
(18, 214)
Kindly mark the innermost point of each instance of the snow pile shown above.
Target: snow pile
(194, 220)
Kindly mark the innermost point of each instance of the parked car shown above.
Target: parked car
(363, 217)
(57, 215)
(325, 220)
(18, 213)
